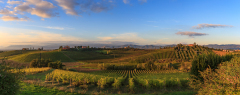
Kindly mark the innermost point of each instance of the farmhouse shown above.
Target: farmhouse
(66, 47)
(191, 45)
(84, 46)
(25, 48)
(237, 50)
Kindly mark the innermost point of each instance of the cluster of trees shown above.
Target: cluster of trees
(203, 61)
(9, 82)
(215, 75)
(46, 63)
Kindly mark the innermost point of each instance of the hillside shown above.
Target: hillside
(53, 55)
(14, 52)
(184, 53)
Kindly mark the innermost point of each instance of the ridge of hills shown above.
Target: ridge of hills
(109, 56)
(56, 46)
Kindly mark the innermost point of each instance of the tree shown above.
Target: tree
(60, 47)
(9, 81)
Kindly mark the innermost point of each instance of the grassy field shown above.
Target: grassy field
(31, 89)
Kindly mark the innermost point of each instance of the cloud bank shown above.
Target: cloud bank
(201, 26)
(34, 37)
(13, 18)
(47, 9)
(191, 34)
(125, 37)
(71, 6)
(128, 1)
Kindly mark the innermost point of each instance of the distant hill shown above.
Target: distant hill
(228, 46)
(56, 46)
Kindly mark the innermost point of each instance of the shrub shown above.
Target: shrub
(56, 65)
(33, 63)
(202, 62)
(46, 63)
(150, 65)
(224, 81)
(39, 63)
(9, 82)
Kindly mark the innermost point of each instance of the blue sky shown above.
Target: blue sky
(143, 22)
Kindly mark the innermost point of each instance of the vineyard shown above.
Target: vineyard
(184, 54)
(31, 70)
(116, 79)
(53, 55)
(14, 52)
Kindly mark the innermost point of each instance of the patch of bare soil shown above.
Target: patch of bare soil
(220, 52)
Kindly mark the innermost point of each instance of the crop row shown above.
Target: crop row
(31, 70)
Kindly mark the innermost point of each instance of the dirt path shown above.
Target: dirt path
(220, 52)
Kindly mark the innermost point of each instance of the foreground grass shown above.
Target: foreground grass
(30, 89)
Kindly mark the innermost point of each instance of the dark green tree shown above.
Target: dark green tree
(60, 47)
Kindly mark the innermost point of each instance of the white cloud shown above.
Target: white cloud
(14, 2)
(126, 1)
(68, 6)
(58, 28)
(12, 36)
(126, 37)
(40, 8)
(201, 26)
(71, 6)
(6, 12)
(143, 1)
(191, 34)
(105, 38)
(13, 18)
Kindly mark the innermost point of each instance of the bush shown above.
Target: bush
(224, 81)
(150, 66)
(56, 65)
(202, 62)
(39, 63)
(70, 69)
(9, 82)
(46, 63)
(33, 63)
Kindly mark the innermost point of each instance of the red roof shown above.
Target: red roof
(191, 45)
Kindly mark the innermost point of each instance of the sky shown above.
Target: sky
(141, 22)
